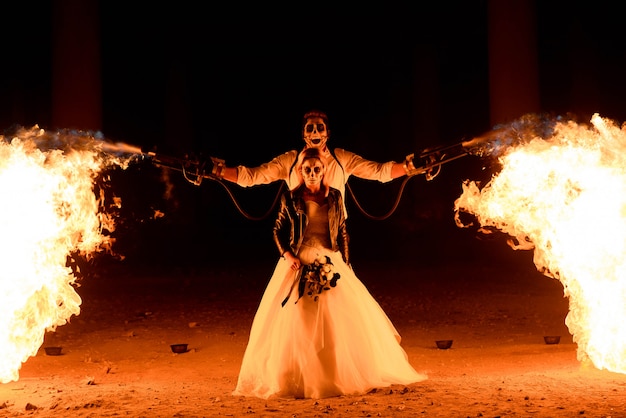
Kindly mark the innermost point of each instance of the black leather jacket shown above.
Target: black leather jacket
(292, 221)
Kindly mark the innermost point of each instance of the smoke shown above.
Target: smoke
(521, 131)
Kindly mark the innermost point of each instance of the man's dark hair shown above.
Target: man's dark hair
(315, 114)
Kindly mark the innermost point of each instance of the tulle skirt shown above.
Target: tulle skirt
(343, 343)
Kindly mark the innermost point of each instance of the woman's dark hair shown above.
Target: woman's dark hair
(309, 153)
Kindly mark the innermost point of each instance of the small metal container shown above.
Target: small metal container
(552, 339)
(53, 351)
(179, 348)
(443, 344)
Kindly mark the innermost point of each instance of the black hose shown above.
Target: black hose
(282, 186)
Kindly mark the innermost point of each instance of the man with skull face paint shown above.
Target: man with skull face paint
(318, 335)
(340, 164)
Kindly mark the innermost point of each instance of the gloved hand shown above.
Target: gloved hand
(213, 168)
(428, 168)
(409, 166)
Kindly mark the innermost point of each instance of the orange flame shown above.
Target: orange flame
(565, 198)
(49, 210)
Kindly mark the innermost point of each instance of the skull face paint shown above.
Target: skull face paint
(315, 132)
(312, 172)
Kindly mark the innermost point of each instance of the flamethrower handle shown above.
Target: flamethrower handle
(430, 160)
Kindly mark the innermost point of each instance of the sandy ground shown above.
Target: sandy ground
(116, 358)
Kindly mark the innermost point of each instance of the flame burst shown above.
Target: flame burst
(49, 211)
(564, 196)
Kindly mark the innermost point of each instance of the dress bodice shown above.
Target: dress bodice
(317, 232)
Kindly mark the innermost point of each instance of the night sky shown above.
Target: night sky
(242, 82)
(233, 82)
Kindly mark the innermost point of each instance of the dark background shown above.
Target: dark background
(233, 80)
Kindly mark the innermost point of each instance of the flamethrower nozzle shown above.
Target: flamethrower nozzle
(481, 145)
(473, 143)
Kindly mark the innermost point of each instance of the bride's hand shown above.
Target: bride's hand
(292, 260)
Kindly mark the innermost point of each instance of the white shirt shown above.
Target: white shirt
(336, 175)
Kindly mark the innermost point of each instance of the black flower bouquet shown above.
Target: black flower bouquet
(316, 277)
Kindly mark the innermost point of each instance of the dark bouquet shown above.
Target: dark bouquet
(317, 277)
(314, 278)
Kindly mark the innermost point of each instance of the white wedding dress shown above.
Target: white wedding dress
(341, 344)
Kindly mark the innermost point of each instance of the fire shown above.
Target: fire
(563, 195)
(49, 211)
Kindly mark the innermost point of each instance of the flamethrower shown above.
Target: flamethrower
(430, 160)
(194, 169)
(427, 162)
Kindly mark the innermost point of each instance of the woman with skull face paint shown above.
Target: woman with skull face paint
(340, 164)
(318, 332)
